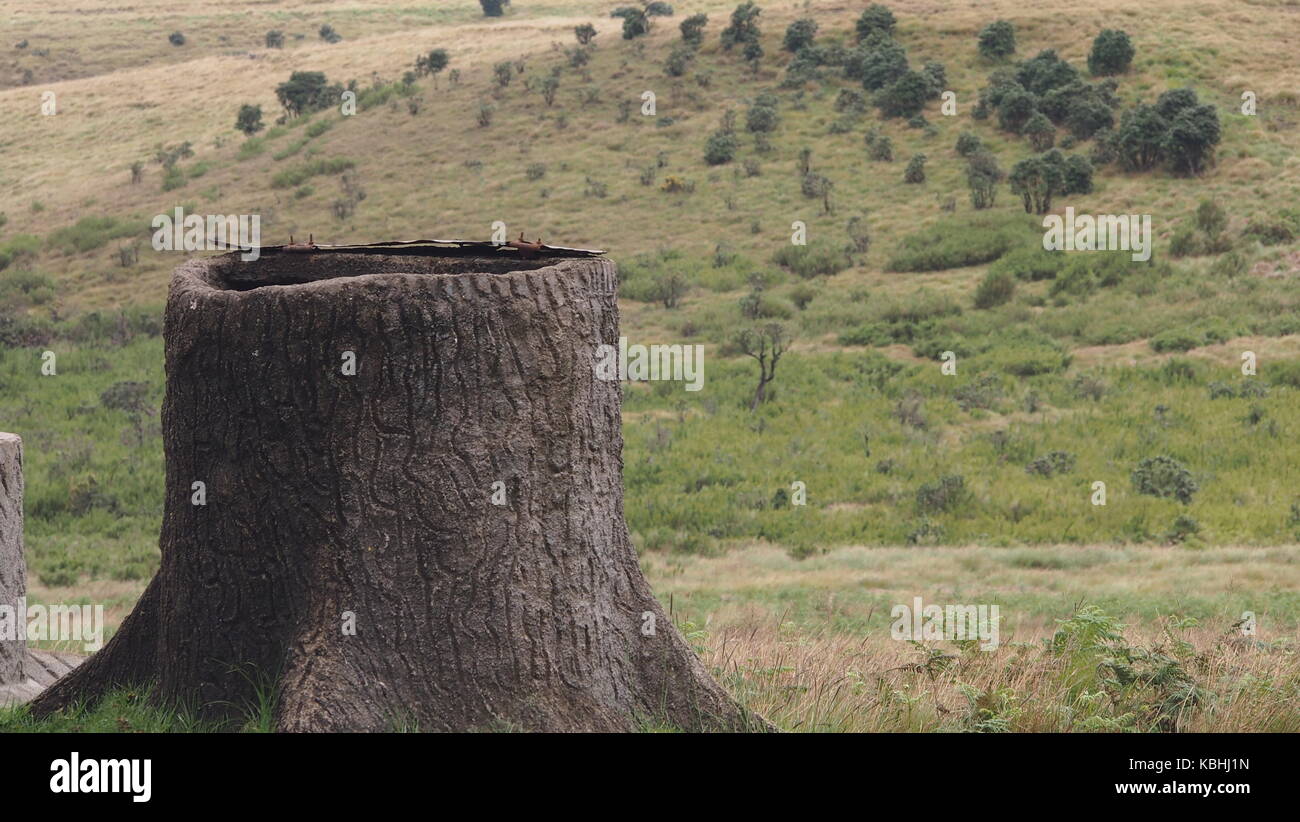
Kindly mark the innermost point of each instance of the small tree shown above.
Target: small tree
(1189, 144)
(679, 60)
(493, 8)
(1211, 219)
(859, 235)
(800, 34)
(881, 149)
(983, 175)
(249, 120)
(275, 39)
(502, 72)
(997, 40)
(637, 19)
(720, 148)
(692, 29)
(1040, 131)
(550, 87)
(1139, 142)
(761, 119)
(1112, 52)
(905, 97)
(585, 33)
(432, 64)
(1015, 109)
(303, 92)
(744, 26)
(968, 144)
(669, 288)
(766, 344)
(875, 20)
(1037, 179)
(1164, 476)
(915, 171)
(1078, 175)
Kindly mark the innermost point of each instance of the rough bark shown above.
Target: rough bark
(372, 494)
(13, 569)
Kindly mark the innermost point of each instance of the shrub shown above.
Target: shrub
(937, 76)
(249, 119)
(997, 40)
(761, 119)
(1015, 109)
(1189, 143)
(851, 100)
(1139, 141)
(814, 260)
(87, 234)
(1078, 175)
(275, 39)
(584, 33)
(692, 29)
(1112, 52)
(1184, 243)
(305, 92)
(743, 28)
(876, 19)
(915, 171)
(1182, 528)
(679, 60)
(982, 176)
(291, 178)
(1164, 476)
(905, 97)
(944, 495)
(882, 149)
(1211, 219)
(983, 392)
(800, 34)
(1027, 356)
(329, 35)
(176, 38)
(1176, 339)
(720, 148)
(954, 243)
(968, 144)
(493, 8)
(1031, 263)
(1040, 131)
(876, 63)
(1052, 464)
(1268, 231)
(995, 289)
(1044, 72)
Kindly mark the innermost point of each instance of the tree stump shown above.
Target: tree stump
(13, 569)
(394, 499)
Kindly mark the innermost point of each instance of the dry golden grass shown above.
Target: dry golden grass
(850, 683)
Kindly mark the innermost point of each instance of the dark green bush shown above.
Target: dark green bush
(1164, 476)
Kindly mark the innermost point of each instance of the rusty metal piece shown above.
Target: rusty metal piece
(301, 248)
(527, 250)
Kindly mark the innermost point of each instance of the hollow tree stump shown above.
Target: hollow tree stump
(13, 569)
(371, 498)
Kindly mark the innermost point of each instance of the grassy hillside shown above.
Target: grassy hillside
(1080, 369)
